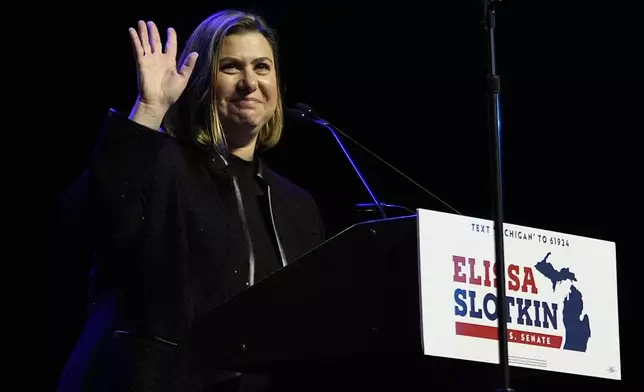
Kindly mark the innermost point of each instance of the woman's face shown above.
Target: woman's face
(246, 90)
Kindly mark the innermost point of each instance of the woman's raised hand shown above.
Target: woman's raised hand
(160, 82)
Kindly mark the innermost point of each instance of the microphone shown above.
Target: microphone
(304, 111)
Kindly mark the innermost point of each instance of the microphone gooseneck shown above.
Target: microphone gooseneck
(304, 111)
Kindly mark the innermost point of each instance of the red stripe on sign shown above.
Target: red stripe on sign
(514, 336)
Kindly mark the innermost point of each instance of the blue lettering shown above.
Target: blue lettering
(528, 312)
(537, 314)
(459, 297)
(524, 306)
(489, 297)
(508, 301)
(549, 315)
(474, 313)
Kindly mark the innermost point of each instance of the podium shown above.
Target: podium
(411, 300)
(352, 299)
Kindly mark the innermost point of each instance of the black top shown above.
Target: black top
(256, 207)
(169, 247)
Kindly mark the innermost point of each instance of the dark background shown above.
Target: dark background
(406, 80)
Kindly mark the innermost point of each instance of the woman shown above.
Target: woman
(186, 214)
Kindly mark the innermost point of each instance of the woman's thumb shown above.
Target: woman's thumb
(188, 64)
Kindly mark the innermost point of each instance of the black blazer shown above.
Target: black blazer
(169, 244)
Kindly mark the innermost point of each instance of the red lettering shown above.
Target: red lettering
(513, 278)
(489, 270)
(476, 280)
(486, 264)
(529, 281)
(459, 261)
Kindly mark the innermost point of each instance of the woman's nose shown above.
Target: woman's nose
(248, 83)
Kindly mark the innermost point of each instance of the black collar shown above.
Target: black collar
(220, 160)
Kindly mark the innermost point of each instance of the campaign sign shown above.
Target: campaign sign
(561, 294)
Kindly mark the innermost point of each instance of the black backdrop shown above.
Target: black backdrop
(406, 80)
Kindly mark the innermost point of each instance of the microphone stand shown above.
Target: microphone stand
(306, 112)
(494, 119)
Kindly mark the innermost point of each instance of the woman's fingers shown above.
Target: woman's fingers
(136, 42)
(171, 43)
(155, 38)
(143, 36)
(147, 40)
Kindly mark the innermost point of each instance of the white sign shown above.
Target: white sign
(561, 295)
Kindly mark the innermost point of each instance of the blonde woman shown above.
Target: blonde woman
(185, 212)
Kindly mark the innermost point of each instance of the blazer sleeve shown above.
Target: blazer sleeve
(124, 164)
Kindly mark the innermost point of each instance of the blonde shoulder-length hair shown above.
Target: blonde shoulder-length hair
(194, 116)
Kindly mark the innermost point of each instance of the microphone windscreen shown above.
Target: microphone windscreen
(295, 113)
(306, 109)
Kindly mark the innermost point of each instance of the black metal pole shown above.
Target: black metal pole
(494, 118)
